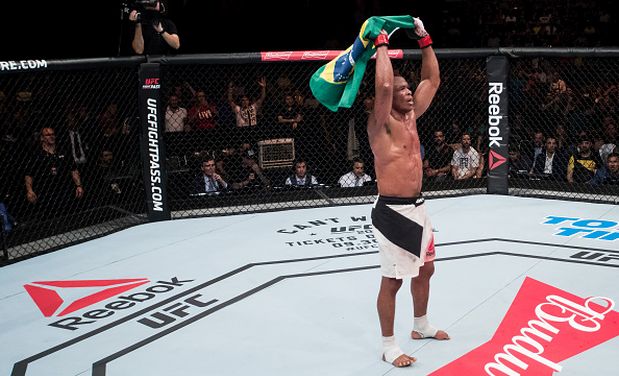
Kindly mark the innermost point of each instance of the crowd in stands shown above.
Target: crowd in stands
(561, 127)
(515, 23)
(563, 124)
(454, 23)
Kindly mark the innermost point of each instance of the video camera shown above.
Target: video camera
(144, 8)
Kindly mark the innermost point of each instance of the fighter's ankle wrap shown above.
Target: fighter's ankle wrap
(391, 350)
(423, 327)
(381, 40)
(425, 42)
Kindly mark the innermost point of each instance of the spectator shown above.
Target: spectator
(534, 147)
(185, 94)
(223, 161)
(559, 98)
(609, 129)
(300, 177)
(560, 136)
(52, 177)
(76, 138)
(518, 164)
(111, 180)
(208, 181)
(246, 112)
(203, 114)
(465, 163)
(299, 99)
(250, 174)
(583, 164)
(550, 162)
(602, 146)
(357, 177)
(437, 164)
(609, 174)
(109, 128)
(454, 133)
(154, 34)
(175, 116)
(109, 122)
(6, 221)
(289, 117)
(283, 82)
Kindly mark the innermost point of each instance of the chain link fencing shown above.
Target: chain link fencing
(235, 127)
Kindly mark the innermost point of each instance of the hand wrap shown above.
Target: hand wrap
(425, 42)
(381, 40)
(422, 36)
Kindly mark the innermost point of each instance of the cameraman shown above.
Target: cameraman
(154, 34)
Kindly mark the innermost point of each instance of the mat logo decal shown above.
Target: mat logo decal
(543, 327)
(496, 159)
(600, 229)
(47, 295)
(353, 233)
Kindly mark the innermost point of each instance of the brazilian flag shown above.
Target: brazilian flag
(332, 84)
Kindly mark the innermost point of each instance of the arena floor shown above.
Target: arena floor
(522, 284)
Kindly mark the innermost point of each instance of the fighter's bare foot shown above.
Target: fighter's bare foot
(402, 361)
(440, 335)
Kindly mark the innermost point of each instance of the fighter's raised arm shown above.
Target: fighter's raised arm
(430, 74)
(383, 96)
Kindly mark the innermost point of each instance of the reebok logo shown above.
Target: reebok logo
(494, 114)
(48, 295)
(495, 159)
(543, 327)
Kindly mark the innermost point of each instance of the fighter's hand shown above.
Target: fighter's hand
(420, 30)
(382, 39)
(422, 36)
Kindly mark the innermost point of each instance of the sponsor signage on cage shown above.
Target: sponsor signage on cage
(498, 135)
(153, 151)
(151, 83)
(495, 160)
(318, 55)
(22, 65)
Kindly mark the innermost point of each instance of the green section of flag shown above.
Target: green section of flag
(336, 84)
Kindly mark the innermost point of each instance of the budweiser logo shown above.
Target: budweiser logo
(318, 55)
(395, 54)
(276, 55)
(543, 327)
